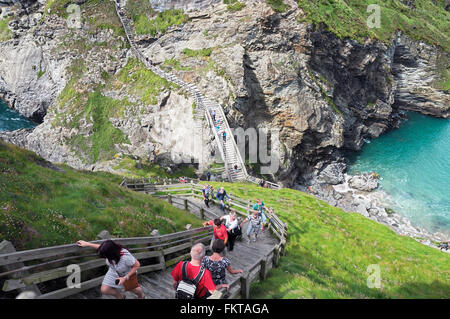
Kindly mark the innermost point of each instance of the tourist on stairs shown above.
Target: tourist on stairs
(217, 265)
(221, 195)
(122, 272)
(219, 231)
(255, 225)
(205, 285)
(259, 206)
(206, 192)
(233, 229)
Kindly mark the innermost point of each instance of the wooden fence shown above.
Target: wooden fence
(179, 194)
(45, 270)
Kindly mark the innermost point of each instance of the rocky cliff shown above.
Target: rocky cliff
(96, 102)
(269, 70)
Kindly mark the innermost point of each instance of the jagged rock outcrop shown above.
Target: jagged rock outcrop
(415, 67)
(59, 71)
(323, 93)
(186, 5)
(269, 71)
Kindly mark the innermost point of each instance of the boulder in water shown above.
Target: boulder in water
(365, 182)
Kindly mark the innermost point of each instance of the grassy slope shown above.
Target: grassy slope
(42, 207)
(129, 168)
(328, 252)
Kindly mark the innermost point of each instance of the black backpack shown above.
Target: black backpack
(187, 287)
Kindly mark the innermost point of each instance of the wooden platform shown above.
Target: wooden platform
(158, 285)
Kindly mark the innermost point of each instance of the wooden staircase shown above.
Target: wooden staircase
(229, 152)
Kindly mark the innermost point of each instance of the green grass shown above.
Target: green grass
(97, 14)
(278, 5)
(41, 207)
(77, 102)
(130, 169)
(147, 21)
(98, 109)
(142, 82)
(328, 252)
(40, 73)
(197, 53)
(5, 33)
(234, 5)
(174, 63)
(347, 18)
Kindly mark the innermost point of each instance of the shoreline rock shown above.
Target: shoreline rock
(359, 194)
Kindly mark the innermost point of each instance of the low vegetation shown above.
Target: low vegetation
(44, 205)
(97, 14)
(91, 105)
(130, 168)
(147, 21)
(329, 251)
(141, 81)
(426, 20)
(5, 33)
(234, 5)
(278, 5)
(197, 53)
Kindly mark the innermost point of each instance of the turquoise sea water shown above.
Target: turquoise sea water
(414, 164)
(11, 120)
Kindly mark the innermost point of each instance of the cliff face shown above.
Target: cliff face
(322, 93)
(186, 5)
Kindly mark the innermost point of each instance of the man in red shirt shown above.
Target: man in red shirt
(205, 287)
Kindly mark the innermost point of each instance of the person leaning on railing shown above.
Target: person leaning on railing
(122, 272)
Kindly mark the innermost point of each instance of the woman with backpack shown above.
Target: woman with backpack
(217, 265)
(122, 272)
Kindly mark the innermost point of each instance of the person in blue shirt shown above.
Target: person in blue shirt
(221, 195)
(259, 206)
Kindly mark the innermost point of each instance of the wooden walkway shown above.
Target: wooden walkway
(158, 284)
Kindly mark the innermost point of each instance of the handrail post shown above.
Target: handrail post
(7, 247)
(245, 286)
(263, 271)
(185, 202)
(276, 256)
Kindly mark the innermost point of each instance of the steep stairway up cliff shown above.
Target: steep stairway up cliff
(234, 165)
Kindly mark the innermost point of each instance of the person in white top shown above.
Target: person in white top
(233, 229)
